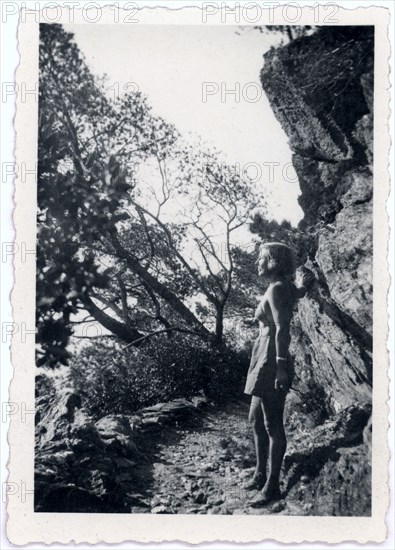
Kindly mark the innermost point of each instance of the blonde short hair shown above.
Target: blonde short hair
(282, 258)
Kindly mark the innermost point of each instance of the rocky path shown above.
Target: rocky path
(192, 457)
(199, 467)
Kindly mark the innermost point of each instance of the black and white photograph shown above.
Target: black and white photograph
(204, 270)
(200, 303)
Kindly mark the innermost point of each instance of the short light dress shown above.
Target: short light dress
(263, 365)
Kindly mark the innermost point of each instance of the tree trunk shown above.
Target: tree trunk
(128, 334)
(219, 324)
(161, 290)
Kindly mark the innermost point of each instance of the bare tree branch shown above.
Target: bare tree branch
(187, 266)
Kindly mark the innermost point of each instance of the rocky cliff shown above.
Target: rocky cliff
(321, 88)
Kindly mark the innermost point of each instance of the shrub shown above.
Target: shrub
(114, 381)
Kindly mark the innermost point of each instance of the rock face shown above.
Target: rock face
(331, 462)
(86, 466)
(327, 114)
(321, 88)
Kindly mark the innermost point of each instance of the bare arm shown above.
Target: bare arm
(281, 308)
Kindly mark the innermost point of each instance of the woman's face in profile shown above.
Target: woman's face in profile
(262, 263)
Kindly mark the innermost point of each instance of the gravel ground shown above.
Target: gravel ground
(199, 467)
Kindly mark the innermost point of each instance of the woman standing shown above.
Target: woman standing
(271, 370)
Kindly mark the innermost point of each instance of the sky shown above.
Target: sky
(205, 81)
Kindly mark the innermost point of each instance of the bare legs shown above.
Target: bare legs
(273, 412)
(266, 419)
(261, 439)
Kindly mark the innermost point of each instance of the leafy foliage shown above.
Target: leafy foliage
(80, 186)
(115, 381)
